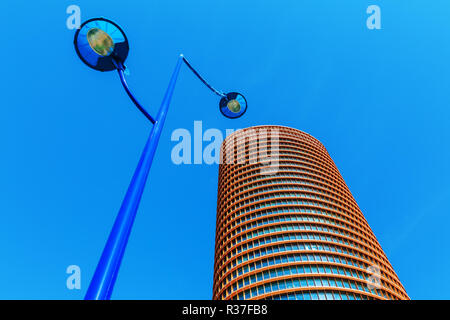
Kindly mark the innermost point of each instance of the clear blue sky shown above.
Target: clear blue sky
(70, 138)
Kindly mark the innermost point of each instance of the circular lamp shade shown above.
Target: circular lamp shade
(233, 105)
(99, 42)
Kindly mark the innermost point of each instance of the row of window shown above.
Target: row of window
(239, 144)
(297, 218)
(293, 166)
(288, 202)
(268, 212)
(256, 159)
(290, 270)
(259, 162)
(298, 210)
(298, 148)
(284, 180)
(292, 258)
(278, 238)
(354, 218)
(246, 172)
(281, 238)
(274, 239)
(292, 209)
(296, 161)
(243, 144)
(285, 218)
(283, 187)
(295, 257)
(319, 295)
(292, 247)
(275, 195)
(281, 211)
(309, 282)
(300, 269)
(248, 200)
(287, 227)
(236, 207)
(281, 178)
(250, 255)
(278, 179)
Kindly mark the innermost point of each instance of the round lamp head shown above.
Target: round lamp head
(100, 42)
(233, 105)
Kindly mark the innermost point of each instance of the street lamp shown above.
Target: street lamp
(102, 45)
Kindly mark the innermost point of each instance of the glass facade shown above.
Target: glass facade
(288, 227)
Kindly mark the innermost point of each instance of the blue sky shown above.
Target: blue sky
(70, 137)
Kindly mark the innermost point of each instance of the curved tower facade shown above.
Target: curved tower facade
(288, 227)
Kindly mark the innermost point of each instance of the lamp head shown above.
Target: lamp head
(101, 44)
(233, 105)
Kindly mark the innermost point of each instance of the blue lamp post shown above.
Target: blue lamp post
(103, 46)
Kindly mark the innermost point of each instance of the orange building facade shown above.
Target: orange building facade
(288, 227)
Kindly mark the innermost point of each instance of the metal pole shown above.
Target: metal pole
(105, 275)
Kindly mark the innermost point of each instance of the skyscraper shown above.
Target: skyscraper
(288, 227)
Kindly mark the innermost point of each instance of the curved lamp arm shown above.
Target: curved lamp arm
(120, 69)
(138, 105)
(219, 93)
